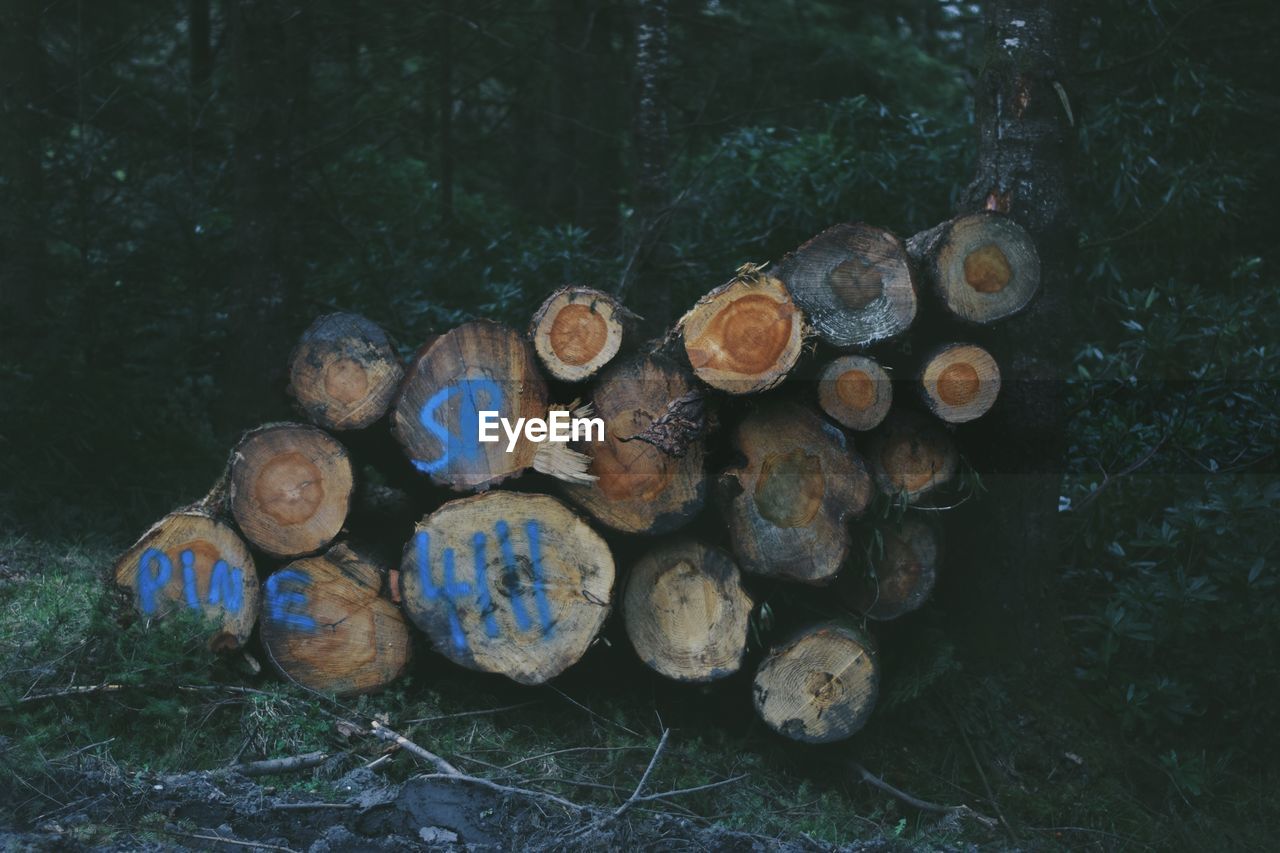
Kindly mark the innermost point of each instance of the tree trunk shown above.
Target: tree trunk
(190, 559)
(290, 488)
(1026, 146)
(790, 500)
(856, 391)
(344, 372)
(577, 331)
(854, 284)
(911, 455)
(479, 366)
(686, 612)
(649, 468)
(820, 686)
(327, 625)
(201, 53)
(270, 46)
(745, 336)
(22, 238)
(903, 575)
(959, 382)
(444, 110)
(983, 266)
(509, 583)
(652, 182)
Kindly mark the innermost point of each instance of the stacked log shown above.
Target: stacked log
(329, 624)
(781, 382)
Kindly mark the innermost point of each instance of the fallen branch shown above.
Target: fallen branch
(403, 742)
(449, 772)
(916, 803)
(267, 767)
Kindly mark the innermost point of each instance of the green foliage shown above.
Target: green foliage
(1171, 588)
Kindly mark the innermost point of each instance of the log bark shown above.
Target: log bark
(686, 612)
(854, 284)
(855, 391)
(577, 331)
(509, 583)
(820, 686)
(789, 501)
(1026, 153)
(983, 266)
(479, 366)
(745, 336)
(911, 455)
(190, 559)
(960, 382)
(344, 372)
(327, 625)
(290, 488)
(650, 471)
(902, 578)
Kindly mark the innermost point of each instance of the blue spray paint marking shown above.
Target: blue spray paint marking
(429, 590)
(512, 575)
(452, 590)
(466, 444)
(189, 579)
(286, 605)
(539, 587)
(226, 586)
(154, 569)
(482, 586)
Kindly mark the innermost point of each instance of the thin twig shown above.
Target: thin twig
(471, 713)
(71, 691)
(1108, 479)
(258, 845)
(387, 734)
(680, 792)
(917, 803)
(286, 807)
(504, 789)
(644, 777)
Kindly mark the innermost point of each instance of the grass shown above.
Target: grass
(941, 733)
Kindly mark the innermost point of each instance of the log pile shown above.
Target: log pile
(793, 436)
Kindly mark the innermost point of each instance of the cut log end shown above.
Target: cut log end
(960, 382)
(290, 488)
(649, 475)
(508, 583)
(820, 686)
(856, 392)
(854, 284)
(745, 336)
(577, 331)
(344, 372)
(904, 576)
(911, 455)
(788, 503)
(984, 266)
(327, 626)
(190, 560)
(686, 612)
(479, 366)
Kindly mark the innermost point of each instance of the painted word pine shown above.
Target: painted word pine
(189, 560)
